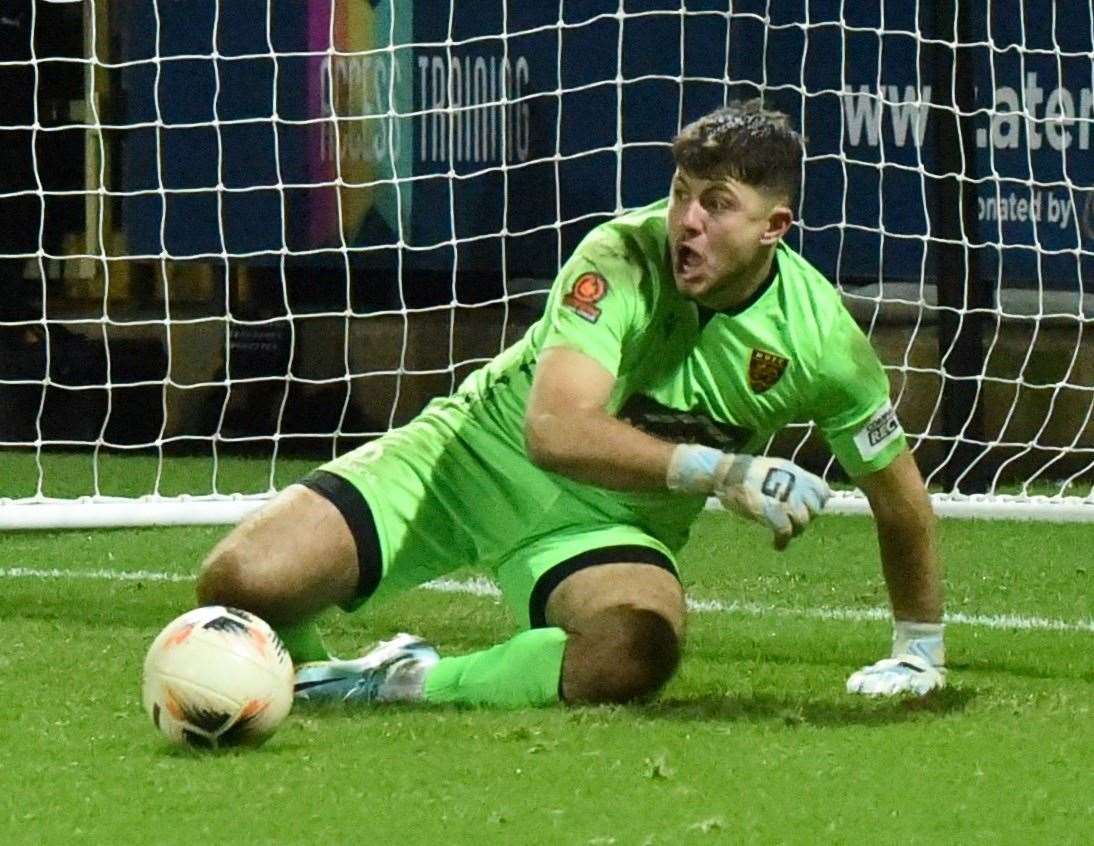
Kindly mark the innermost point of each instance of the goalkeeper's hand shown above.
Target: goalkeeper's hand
(917, 665)
(770, 491)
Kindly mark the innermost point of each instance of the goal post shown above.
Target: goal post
(244, 237)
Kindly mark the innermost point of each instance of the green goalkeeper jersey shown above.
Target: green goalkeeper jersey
(728, 379)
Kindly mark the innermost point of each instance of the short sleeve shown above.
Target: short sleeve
(852, 406)
(592, 308)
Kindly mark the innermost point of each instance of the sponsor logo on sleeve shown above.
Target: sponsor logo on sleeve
(588, 290)
(764, 370)
(880, 431)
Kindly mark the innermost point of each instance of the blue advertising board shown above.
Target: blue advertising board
(413, 136)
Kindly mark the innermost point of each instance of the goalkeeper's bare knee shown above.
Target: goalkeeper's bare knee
(621, 654)
(292, 559)
(224, 580)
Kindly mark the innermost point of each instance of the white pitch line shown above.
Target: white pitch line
(986, 621)
(102, 574)
(481, 586)
(484, 587)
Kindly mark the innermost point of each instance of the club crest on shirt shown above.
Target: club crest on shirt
(764, 370)
(588, 290)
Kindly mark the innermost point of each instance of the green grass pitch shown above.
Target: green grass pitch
(754, 741)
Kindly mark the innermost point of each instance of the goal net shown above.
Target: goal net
(240, 238)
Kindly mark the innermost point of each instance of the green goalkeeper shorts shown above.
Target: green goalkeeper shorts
(430, 504)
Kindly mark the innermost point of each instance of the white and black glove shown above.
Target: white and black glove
(771, 491)
(917, 665)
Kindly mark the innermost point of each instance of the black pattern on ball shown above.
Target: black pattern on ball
(239, 734)
(206, 719)
(226, 624)
(279, 645)
(197, 740)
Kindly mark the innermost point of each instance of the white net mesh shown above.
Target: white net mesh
(245, 237)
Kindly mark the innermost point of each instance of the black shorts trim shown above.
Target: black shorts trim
(624, 554)
(358, 516)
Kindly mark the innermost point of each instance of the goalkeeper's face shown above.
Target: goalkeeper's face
(721, 233)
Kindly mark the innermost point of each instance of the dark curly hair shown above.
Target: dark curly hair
(746, 142)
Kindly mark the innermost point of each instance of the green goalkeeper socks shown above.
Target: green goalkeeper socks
(524, 671)
(303, 642)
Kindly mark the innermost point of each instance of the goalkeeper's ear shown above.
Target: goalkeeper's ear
(779, 219)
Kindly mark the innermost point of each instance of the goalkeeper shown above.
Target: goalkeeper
(676, 340)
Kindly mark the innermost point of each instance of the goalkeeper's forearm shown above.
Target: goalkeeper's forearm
(592, 446)
(906, 538)
(909, 559)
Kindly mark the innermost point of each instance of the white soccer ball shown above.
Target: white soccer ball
(217, 677)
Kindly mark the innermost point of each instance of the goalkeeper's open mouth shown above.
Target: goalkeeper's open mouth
(687, 262)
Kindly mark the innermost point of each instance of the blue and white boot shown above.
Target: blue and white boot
(391, 672)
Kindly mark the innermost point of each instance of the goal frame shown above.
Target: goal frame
(961, 311)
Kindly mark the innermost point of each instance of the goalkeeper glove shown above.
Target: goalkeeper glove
(770, 491)
(917, 665)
